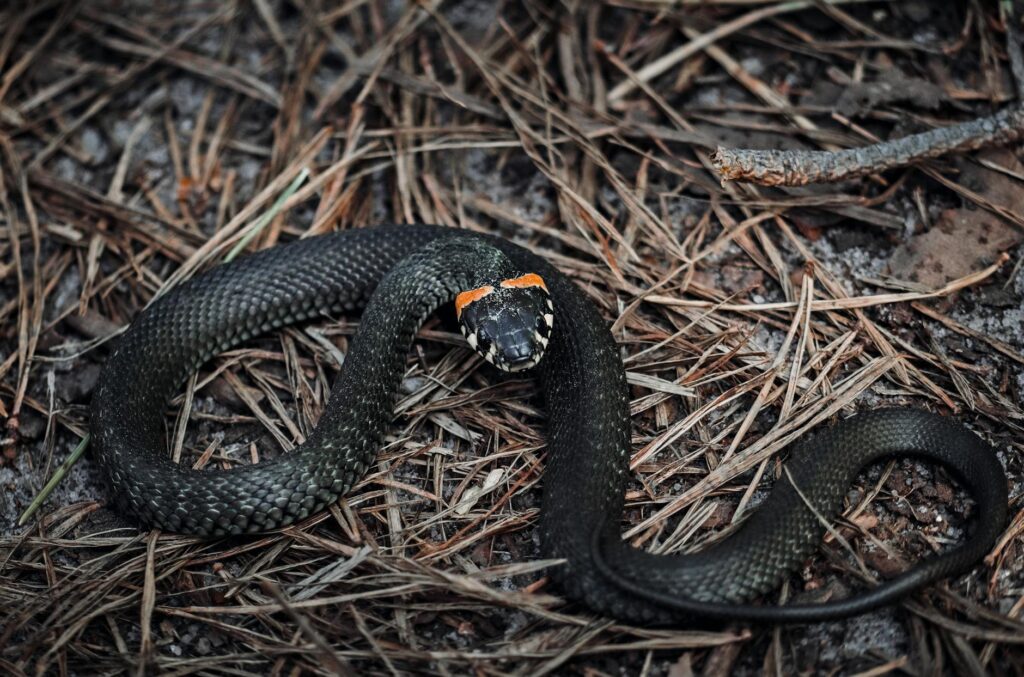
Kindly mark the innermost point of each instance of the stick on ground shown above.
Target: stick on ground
(801, 167)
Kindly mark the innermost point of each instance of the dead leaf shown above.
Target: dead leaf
(964, 240)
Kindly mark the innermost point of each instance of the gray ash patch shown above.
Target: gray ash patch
(509, 181)
(21, 482)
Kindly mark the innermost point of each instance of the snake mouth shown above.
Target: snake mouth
(513, 352)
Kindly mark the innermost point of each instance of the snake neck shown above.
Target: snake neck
(410, 293)
(235, 302)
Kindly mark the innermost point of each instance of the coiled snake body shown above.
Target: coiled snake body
(414, 270)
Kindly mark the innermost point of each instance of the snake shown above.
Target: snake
(522, 315)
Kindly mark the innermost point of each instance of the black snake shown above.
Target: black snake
(415, 269)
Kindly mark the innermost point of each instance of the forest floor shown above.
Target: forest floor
(140, 141)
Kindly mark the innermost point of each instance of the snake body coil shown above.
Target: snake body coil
(414, 269)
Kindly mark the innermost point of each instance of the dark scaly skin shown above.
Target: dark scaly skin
(817, 475)
(584, 386)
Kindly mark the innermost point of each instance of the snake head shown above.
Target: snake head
(508, 323)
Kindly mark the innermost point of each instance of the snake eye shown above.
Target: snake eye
(545, 320)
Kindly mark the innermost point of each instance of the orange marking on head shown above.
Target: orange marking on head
(525, 281)
(467, 297)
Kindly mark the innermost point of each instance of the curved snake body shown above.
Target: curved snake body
(415, 269)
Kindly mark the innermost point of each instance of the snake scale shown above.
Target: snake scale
(411, 270)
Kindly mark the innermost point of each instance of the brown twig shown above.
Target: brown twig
(801, 167)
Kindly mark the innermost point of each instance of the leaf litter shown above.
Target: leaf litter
(141, 144)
